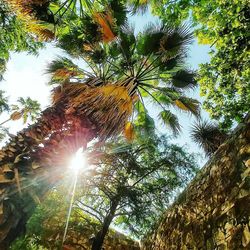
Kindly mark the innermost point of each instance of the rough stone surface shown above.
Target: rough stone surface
(214, 211)
(80, 234)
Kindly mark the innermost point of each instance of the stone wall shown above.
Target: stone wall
(113, 241)
(80, 233)
(214, 211)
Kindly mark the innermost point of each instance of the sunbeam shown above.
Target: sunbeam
(77, 162)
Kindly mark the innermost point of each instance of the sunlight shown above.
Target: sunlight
(78, 161)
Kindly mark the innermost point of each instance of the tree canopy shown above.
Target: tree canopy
(13, 36)
(224, 25)
(148, 65)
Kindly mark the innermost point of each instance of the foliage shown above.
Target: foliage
(25, 243)
(149, 65)
(142, 178)
(3, 102)
(224, 81)
(208, 135)
(25, 108)
(28, 107)
(139, 67)
(13, 36)
(127, 185)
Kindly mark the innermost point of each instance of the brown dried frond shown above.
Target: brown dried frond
(129, 131)
(109, 107)
(24, 12)
(64, 73)
(107, 25)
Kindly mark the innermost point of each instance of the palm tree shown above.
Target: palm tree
(102, 100)
(208, 136)
(149, 65)
(26, 108)
(33, 17)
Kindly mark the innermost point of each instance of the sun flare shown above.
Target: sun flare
(78, 161)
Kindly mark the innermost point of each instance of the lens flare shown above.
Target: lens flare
(78, 161)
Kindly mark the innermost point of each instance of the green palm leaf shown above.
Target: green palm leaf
(208, 136)
(164, 40)
(184, 79)
(170, 120)
(62, 69)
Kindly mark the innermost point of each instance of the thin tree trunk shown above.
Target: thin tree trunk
(100, 236)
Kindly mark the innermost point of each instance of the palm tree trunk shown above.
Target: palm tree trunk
(16, 209)
(100, 236)
(28, 169)
(52, 119)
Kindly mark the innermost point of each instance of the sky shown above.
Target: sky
(25, 77)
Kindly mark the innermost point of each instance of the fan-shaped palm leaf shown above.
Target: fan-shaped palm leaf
(170, 120)
(164, 39)
(188, 104)
(208, 136)
(62, 69)
(184, 79)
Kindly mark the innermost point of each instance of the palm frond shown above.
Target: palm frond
(184, 79)
(126, 45)
(144, 124)
(119, 12)
(129, 131)
(162, 97)
(168, 64)
(188, 104)
(176, 40)
(106, 24)
(62, 69)
(164, 40)
(170, 120)
(24, 13)
(71, 7)
(138, 6)
(149, 39)
(94, 54)
(79, 35)
(208, 136)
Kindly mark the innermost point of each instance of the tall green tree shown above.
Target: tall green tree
(224, 25)
(128, 185)
(132, 184)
